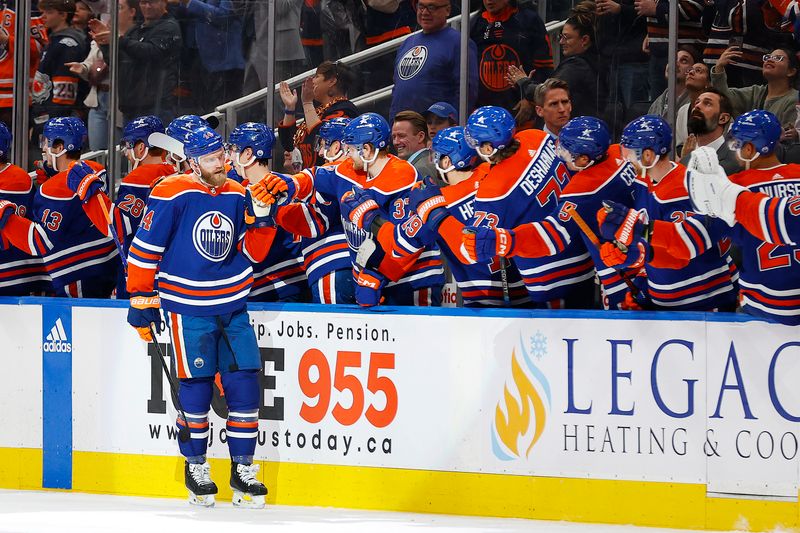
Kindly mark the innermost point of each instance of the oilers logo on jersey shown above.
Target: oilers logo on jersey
(412, 62)
(213, 236)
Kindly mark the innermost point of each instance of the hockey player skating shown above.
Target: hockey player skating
(64, 228)
(706, 281)
(195, 235)
(600, 173)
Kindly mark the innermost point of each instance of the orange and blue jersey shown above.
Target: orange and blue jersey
(61, 231)
(194, 238)
(525, 188)
(767, 234)
(706, 279)
(20, 274)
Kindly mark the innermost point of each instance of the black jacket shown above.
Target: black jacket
(149, 60)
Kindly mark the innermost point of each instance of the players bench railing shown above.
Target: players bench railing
(227, 113)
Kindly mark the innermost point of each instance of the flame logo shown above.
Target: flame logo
(520, 417)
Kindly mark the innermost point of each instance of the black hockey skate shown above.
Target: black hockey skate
(247, 490)
(198, 480)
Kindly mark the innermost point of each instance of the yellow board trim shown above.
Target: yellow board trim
(674, 505)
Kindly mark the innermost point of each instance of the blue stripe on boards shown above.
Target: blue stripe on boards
(57, 396)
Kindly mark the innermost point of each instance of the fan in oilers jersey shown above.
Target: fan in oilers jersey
(705, 281)
(200, 233)
(280, 276)
(762, 204)
(439, 216)
(601, 172)
(68, 227)
(523, 185)
(20, 274)
(388, 180)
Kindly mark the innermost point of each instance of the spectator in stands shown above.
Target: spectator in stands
(7, 72)
(697, 80)
(686, 58)
(427, 66)
(80, 21)
(579, 66)
(324, 96)
(386, 20)
(410, 139)
(690, 32)
(620, 35)
(778, 96)
(710, 116)
(217, 31)
(507, 35)
(148, 61)
(439, 116)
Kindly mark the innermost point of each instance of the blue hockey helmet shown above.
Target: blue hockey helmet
(369, 128)
(587, 136)
(71, 131)
(202, 141)
(140, 128)
(452, 142)
(5, 140)
(254, 135)
(333, 129)
(759, 128)
(490, 124)
(647, 132)
(179, 127)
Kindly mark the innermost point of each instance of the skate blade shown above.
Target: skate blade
(248, 501)
(207, 500)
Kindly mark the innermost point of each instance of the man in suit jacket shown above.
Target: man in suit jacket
(711, 114)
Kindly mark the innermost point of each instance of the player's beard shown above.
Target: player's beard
(213, 179)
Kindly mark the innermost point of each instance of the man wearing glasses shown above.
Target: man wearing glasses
(427, 66)
(778, 96)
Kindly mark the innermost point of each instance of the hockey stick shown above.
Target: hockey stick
(574, 215)
(183, 432)
(503, 275)
(235, 365)
(114, 236)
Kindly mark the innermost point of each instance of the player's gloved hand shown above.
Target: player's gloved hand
(368, 288)
(637, 299)
(482, 244)
(359, 207)
(275, 188)
(622, 225)
(426, 199)
(84, 181)
(633, 257)
(43, 171)
(710, 190)
(144, 310)
(258, 214)
(6, 210)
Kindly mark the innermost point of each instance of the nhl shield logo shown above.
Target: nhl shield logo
(213, 236)
(412, 62)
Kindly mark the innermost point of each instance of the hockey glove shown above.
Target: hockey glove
(6, 210)
(426, 199)
(482, 244)
(359, 207)
(633, 257)
(83, 181)
(638, 299)
(257, 214)
(622, 225)
(275, 189)
(368, 288)
(43, 172)
(144, 310)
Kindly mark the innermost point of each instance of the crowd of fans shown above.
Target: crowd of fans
(185, 57)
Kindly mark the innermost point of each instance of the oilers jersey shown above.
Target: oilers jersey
(525, 188)
(480, 284)
(20, 274)
(707, 280)
(74, 250)
(193, 237)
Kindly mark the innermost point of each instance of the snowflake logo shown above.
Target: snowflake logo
(538, 345)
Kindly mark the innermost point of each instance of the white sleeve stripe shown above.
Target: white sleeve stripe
(139, 243)
(465, 255)
(310, 221)
(30, 239)
(701, 229)
(149, 266)
(762, 209)
(545, 237)
(782, 221)
(404, 244)
(687, 241)
(562, 230)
